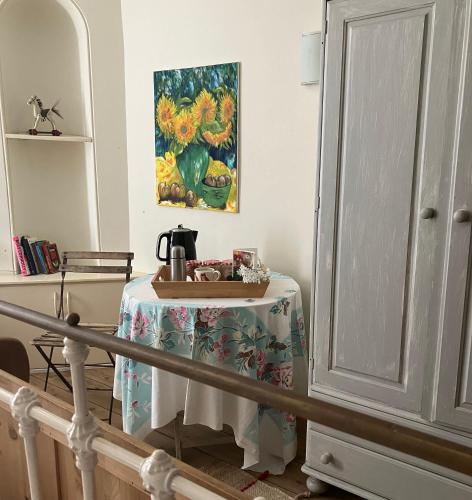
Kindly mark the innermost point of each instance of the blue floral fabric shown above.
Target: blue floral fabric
(258, 338)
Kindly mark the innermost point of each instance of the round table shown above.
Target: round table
(259, 338)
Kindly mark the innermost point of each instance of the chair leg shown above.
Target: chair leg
(112, 359)
(53, 367)
(110, 410)
(177, 436)
(48, 369)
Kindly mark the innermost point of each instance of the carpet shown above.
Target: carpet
(241, 480)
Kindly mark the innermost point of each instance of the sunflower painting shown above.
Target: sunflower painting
(196, 126)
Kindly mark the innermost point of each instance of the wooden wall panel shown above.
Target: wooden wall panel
(68, 475)
(110, 487)
(47, 459)
(12, 462)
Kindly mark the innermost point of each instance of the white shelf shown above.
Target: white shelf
(58, 138)
(10, 279)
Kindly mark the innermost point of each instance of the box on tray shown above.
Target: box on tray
(225, 267)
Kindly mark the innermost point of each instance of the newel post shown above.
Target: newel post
(84, 427)
(20, 408)
(157, 473)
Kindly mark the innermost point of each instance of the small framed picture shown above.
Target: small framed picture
(245, 256)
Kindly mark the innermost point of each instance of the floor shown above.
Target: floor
(198, 441)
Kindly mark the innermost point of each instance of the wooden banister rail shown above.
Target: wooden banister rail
(398, 437)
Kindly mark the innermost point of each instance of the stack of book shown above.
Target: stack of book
(36, 256)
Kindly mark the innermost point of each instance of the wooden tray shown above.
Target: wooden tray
(166, 289)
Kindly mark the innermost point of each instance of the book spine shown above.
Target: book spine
(29, 257)
(31, 242)
(43, 257)
(54, 254)
(39, 252)
(20, 241)
(20, 256)
(47, 257)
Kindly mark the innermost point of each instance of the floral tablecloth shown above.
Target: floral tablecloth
(260, 338)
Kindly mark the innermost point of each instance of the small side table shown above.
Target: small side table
(260, 338)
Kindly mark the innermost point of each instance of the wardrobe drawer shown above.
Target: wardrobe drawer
(378, 474)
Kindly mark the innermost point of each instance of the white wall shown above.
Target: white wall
(106, 44)
(278, 124)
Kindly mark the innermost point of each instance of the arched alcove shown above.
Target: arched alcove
(51, 182)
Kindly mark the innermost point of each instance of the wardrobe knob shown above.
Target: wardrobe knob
(326, 458)
(427, 213)
(461, 215)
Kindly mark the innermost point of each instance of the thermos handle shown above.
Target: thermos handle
(158, 248)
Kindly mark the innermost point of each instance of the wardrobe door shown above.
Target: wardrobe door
(453, 403)
(383, 131)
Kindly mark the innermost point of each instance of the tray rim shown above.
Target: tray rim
(246, 290)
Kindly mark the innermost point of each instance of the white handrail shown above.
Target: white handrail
(100, 445)
(159, 475)
(121, 455)
(6, 397)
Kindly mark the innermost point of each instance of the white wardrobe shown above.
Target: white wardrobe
(391, 323)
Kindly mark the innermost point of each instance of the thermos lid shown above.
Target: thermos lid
(177, 252)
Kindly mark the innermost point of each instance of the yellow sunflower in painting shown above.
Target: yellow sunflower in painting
(216, 139)
(184, 127)
(227, 108)
(204, 109)
(165, 113)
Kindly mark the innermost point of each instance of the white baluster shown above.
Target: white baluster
(157, 473)
(84, 427)
(21, 405)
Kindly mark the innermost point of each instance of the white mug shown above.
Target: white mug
(207, 274)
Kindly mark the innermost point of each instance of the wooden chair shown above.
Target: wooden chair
(14, 358)
(52, 341)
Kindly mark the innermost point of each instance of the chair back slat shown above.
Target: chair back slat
(65, 267)
(95, 268)
(99, 255)
(72, 268)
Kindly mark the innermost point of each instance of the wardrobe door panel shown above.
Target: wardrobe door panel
(377, 182)
(382, 136)
(453, 401)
